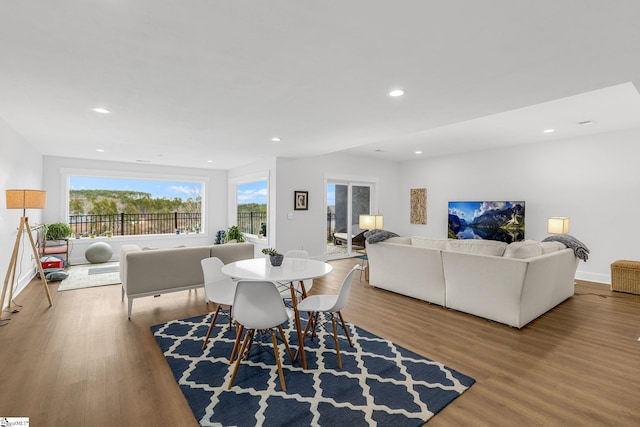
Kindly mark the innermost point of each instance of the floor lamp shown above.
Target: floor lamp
(23, 199)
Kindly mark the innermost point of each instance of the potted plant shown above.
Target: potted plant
(275, 257)
(57, 231)
(220, 235)
(234, 233)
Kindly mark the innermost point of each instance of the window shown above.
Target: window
(251, 204)
(122, 206)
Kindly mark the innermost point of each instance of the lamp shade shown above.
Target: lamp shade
(26, 199)
(371, 222)
(558, 225)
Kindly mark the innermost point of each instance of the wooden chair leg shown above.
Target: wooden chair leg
(235, 369)
(311, 324)
(306, 329)
(303, 289)
(275, 352)
(315, 325)
(234, 352)
(252, 333)
(346, 331)
(335, 339)
(213, 322)
(286, 342)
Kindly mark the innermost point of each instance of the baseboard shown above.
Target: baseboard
(21, 285)
(594, 277)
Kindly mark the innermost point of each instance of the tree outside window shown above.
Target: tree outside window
(122, 206)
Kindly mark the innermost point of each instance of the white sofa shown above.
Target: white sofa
(156, 271)
(511, 284)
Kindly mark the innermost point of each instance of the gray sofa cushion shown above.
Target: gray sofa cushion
(375, 236)
(523, 250)
(477, 246)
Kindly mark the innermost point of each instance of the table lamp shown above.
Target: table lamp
(371, 222)
(558, 225)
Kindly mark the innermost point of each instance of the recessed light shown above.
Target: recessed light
(419, 152)
(396, 92)
(101, 110)
(275, 139)
(99, 150)
(209, 161)
(549, 130)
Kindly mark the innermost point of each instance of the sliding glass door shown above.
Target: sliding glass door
(346, 201)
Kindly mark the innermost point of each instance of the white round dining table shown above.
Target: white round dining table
(292, 270)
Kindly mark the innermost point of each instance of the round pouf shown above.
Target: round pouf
(98, 252)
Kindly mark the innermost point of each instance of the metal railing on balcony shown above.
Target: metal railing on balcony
(331, 225)
(123, 224)
(251, 222)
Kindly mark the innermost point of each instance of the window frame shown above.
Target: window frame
(233, 199)
(66, 173)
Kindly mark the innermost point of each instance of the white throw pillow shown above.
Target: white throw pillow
(429, 242)
(477, 246)
(548, 247)
(522, 250)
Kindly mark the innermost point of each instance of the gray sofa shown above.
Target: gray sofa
(156, 271)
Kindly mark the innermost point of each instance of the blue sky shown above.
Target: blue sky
(256, 192)
(158, 189)
(331, 194)
(252, 192)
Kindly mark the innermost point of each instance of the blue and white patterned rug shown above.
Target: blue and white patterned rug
(380, 382)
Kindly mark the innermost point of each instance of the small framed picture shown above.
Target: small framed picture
(300, 200)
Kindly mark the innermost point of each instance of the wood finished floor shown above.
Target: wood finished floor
(82, 363)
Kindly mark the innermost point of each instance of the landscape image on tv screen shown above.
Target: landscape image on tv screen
(503, 221)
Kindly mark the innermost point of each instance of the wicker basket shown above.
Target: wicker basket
(625, 276)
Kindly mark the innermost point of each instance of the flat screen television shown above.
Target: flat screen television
(495, 220)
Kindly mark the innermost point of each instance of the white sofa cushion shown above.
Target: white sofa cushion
(477, 246)
(549, 247)
(429, 242)
(523, 250)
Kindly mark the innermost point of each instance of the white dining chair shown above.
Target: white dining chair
(300, 289)
(219, 289)
(257, 305)
(331, 304)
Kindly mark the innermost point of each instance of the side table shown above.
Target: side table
(625, 276)
(364, 263)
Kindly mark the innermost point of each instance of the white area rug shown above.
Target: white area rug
(91, 275)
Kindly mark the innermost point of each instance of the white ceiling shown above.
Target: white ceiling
(202, 80)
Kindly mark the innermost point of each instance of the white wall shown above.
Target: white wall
(215, 201)
(307, 229)
(20, 167)
(585, 179)
(593, 180)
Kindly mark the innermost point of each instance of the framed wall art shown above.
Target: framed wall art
(418, 212)
(300, 200)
